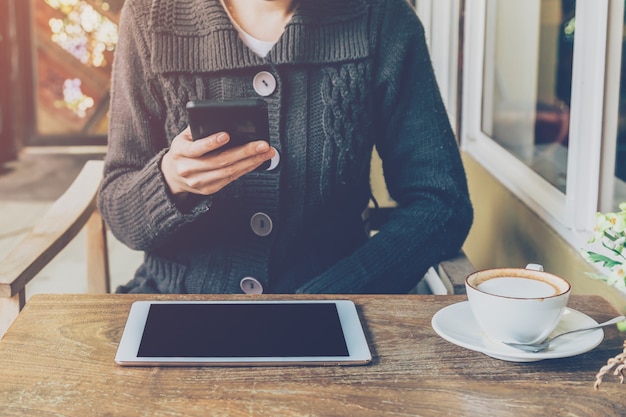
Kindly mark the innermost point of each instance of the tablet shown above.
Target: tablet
(243, 333)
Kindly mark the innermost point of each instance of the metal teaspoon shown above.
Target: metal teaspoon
(541, 346)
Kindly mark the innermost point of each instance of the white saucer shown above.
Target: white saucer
(455, 323)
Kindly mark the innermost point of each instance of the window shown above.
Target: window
(542, 104)
(527, 80)
(64, 65)
(74, 43)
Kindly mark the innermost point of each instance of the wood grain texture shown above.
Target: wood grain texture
(58, 360)
(61, 223)
(72, 211)
(9, 309)
(98, 274)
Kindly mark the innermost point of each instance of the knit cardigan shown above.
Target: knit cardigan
(350, 75)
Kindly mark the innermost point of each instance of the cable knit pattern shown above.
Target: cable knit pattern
(343, 97)
(350, 75)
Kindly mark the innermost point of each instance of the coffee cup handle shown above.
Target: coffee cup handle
(535, 267)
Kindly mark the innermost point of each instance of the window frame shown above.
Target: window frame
(442, 21)
(593, 121)
(615, 45)
(16, 97)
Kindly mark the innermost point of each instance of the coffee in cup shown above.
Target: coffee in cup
(516, 304)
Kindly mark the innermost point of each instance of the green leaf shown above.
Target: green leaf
(614, 250)
(604, 260)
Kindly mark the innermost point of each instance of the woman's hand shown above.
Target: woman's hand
(190, 167)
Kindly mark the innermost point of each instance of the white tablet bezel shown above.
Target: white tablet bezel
(358, 349)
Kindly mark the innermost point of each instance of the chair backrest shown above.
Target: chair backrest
(75, 209)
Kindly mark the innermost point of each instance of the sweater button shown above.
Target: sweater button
(274, 161)
(264, 83)
(251, 285)
(261, 224)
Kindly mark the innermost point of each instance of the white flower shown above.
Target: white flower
(610, 233)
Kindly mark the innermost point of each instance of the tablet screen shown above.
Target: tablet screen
(242, 330)
(241, 333)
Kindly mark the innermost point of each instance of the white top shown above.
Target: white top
(259, 47)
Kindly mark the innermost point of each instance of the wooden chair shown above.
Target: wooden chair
(75, 209)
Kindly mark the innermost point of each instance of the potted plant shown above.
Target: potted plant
(609, 237)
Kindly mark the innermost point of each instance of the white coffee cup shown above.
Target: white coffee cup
(516, 304)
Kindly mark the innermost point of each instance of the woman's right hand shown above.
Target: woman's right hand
(190, 167)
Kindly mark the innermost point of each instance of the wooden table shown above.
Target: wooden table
(57, 360)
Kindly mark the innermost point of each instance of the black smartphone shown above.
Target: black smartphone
(245, 120)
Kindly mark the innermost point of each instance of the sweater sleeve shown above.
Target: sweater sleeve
(134, 198)
(422, 167)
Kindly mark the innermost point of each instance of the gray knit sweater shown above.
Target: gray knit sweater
(350, 75)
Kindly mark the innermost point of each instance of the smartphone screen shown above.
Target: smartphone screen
(245, 120)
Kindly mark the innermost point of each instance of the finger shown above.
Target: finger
(187, 146)
(212, 142)
(213, 180)
(234, 155)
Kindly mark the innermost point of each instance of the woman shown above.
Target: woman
(339, 77)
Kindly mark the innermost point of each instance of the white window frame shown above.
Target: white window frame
(592, 113)
(611, 106)
(440, 19)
